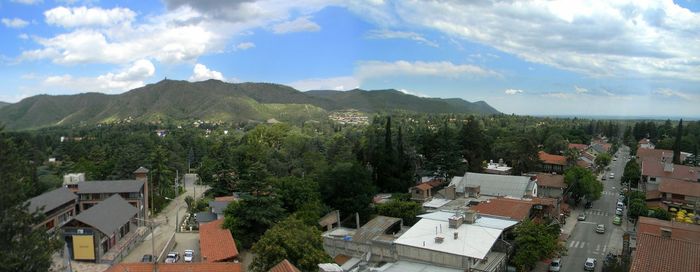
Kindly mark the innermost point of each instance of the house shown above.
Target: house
(421, 192)
(645, 144)
(374, 238)
(177, 267)
(679, 194)
(71, 180)
(216, 243)
(499, 168)
(655, 171)
(219, 204)
(666, 246)
(462, 241)
(135, 192)
(284, 266)
(658, 154)
(94, 232)
(476, 184)
(57, 205)
(580, 147)
(550, 185)
(518, 209)
(598, 147)
(552, 163)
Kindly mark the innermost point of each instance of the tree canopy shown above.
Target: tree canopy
(534, 242)
(582, 184)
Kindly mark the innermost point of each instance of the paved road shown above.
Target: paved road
(584, 242)
(166, 222)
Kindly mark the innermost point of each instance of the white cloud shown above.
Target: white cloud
(14, 22)
(201, 72)
(343, 83)
(559, 95)
(245, 45)
(301, 24)
(23, 36)
(412, 93)
(671, 93)
(513, 91)
(83, 16)
(390, 34)
(373, 69)
(129, 78)
(598, 38)
(27, 2)
(580, 90)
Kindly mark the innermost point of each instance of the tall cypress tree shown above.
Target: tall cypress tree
(677, 144)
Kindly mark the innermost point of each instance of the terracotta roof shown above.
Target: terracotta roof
(284, 266)
(657, 154)
(679, 231)
(424, 186)
(225, 198)
(341, 259)
(216, 244)
(552, 159)
(584, 164)
(681, 187)
(581, 147)
(654, 168)
(655, 253)
(177, 267)
(644, 141)
(588, 156)
(511, 208)
(549, 180)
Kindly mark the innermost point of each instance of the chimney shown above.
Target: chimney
(439, 239)
(668, 167)
(470, 217)
(455, 221)
(141, 174)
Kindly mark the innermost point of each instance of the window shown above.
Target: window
(49, 225)
(85, 197)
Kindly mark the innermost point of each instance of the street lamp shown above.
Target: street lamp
(177, 212)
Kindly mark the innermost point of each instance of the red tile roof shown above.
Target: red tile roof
(580, 147)
(549, 180)
(341, 259)
(657, 154)
(424, 186)
(552, 159)
(681, 187)
(225, 198)
(653, 194)
(511, 208)
(655, 253)
(644, 141)
(284, 266)
(588, 156)
(216, 244)
(679, 231)
(177, 267)
(584, 164)
(654, 168)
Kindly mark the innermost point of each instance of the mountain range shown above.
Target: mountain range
(214, 100)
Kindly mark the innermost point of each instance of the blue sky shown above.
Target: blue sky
(524, 57)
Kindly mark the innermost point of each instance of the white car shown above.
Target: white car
(590, 264)
(172, 257)
(189, 254)
(612, 175)
(618, 211)
(555, 266)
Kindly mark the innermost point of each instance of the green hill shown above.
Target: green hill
(2, 104)
(214, 100)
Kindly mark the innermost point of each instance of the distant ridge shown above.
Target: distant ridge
(2, 104)
(213, 100)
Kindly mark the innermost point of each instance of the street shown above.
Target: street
(584, 242)
(165, 222)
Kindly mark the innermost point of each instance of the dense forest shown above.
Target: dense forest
(288, 176)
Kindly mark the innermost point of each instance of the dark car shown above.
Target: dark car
(148, 258)
(588, 205)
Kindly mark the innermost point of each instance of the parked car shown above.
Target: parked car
(617, 220)
(172, 257)
(600, 228)
(589, 265)
(612, 175)
(555, 266)
(582, 217)
(618, 211)
(588, 205)
(189, 254)
(148, 258)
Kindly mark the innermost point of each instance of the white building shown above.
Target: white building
(476, 184)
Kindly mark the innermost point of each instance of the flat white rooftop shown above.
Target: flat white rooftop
(473, 240)
(436, 203)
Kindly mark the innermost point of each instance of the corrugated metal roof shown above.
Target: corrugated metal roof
(375, 227)
(493, 185)
(51, 199)
(108, 215)
(110, 186)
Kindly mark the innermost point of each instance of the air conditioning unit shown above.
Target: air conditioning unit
(439, 239)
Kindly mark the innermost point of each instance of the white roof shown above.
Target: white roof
(482, 221)
(493, 185)
(436, 203)
(404, 266)
(473, 241)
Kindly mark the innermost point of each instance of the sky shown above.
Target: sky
(588, 58)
